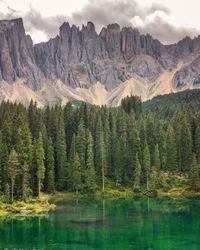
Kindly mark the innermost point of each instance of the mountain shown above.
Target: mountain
(80, 64)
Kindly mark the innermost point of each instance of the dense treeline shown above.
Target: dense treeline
(80, 149)
(167, 104)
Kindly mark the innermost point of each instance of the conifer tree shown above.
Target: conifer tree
(39, 158)
(156, 159)
(197, 141)
(60, 156)
(147, 163)
(155, 167)
(137, 173)
(34, 119)
(7, 193)
(194, 174)
(89, 176)
(151, 133)
(13, 170)
(49, 167)
(171, 150)
(76, 174)
(24, 149)
(185, 145)
(70, 124)
(4, 163)
(100, 159)
(134, 149)
(81, 144)
(115, 169)
(123, 142)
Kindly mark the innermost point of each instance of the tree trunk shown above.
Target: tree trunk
(39, 187)
(23, 188)
(102, 169)
(12, 190)
(103, 181)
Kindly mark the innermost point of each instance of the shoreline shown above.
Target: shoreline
(44, 204)
(33, 206)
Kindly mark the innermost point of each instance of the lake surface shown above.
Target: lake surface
(108, 224)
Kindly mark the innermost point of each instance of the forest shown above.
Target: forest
(81, 148)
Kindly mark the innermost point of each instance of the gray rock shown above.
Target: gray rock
(188, 74)
(81, 57)
(17, 59)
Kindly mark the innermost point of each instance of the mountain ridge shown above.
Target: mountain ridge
(79, 58)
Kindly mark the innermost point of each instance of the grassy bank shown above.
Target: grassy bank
(30, 207)
(167, 186)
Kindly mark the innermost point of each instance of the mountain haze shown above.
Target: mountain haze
(80, 64)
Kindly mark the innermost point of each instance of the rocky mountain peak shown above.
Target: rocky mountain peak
(91, 27)
(12, 24)
(65, 28)
(113, 28)
(79, 57)
(17, 58)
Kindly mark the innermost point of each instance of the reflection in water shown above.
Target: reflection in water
(108, 224)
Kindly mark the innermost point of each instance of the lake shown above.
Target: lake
(108, 224)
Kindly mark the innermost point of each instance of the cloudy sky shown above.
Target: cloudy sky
(169, 21)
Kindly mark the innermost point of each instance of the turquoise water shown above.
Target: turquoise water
(108, 224)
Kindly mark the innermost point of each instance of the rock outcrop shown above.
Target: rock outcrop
(17, 58)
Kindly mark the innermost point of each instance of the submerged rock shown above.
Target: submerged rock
(88, 222)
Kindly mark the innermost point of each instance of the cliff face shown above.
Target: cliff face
(81, 57)
(17, 59)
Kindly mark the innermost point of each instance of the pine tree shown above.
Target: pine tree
(156, 159)
(185, 145)
(100, 159)
(81, 143)
(7, 193)
(76, 174)
(107, 138)
(171, 150)
(39, 158)
(61, 156)
(114, 170)
(24, 149)
(147, 163)
(123, 142)
(70, 124)
(137, 173)
(134, 148)
(197, 142)
(13, 170)
(4, 163)
(49, 167)
(151, 133)
(89, 176)
(194, 174)
(34, 119)
(155, 167)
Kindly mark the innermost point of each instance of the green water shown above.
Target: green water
(108, 224)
